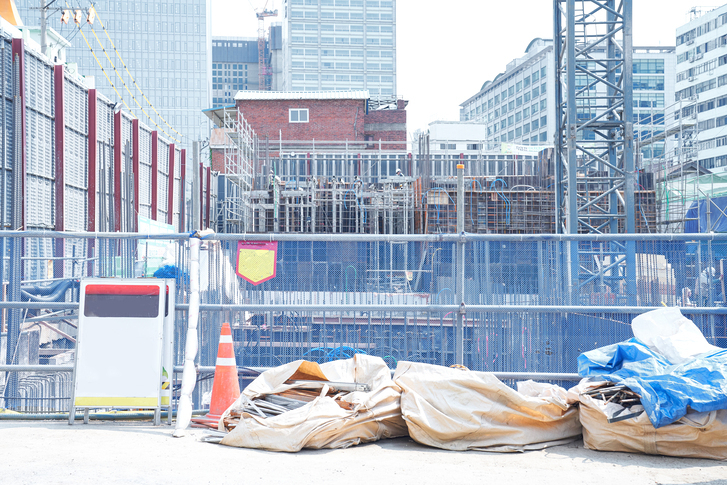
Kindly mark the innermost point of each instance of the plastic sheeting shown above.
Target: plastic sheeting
(461, 410)
(707, 209)
(322, 423)
(667, 390)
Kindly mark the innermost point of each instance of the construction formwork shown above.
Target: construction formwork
(343, 187)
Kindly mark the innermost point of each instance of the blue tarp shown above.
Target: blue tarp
(697, 216)
(666, 390)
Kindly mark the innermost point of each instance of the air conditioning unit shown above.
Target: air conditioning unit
(690, 79)
(691, 59)
(699, 56)
(690, 42)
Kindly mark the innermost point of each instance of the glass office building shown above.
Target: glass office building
(166, 48)
(340, 45)
(234, 68)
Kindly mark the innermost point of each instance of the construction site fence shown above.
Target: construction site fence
(515, 305)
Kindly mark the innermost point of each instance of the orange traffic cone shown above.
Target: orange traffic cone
(225, 387)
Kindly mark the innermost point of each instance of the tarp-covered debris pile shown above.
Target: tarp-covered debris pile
(462, 410)
(303, 405)
(663, 392)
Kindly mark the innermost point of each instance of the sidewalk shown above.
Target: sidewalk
(100, 453)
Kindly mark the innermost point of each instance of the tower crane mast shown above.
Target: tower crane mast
(263, 67)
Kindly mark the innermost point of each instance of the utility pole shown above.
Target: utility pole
(43, 27)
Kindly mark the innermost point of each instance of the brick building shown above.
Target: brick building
(326, 120)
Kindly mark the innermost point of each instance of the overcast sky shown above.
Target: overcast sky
(447, 49)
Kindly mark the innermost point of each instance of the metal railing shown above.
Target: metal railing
(510, 305)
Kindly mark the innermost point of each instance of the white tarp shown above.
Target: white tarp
(322, 423)
(696, 435)
(463, 410)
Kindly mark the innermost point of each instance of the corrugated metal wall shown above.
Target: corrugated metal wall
(145, 171)
(177, 187)
(162, 179)
(6, 137)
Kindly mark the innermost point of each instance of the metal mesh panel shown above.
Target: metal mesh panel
(75, 156)
(144, 172)
(178, 196)
(163, 179)
(38, 264)
(6, 133)
(396, 299)
(104, 181)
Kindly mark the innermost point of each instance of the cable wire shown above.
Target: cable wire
(127, 87)
(102, 69)
(119, 76)
(127, 71)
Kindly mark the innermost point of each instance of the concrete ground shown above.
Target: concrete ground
(52, 452)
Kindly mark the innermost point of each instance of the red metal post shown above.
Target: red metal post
(170, 194)
(154, 173)
(60, 183)
(209, 190)
(118, 141)
(182, 204)
(201, 197)
(135, 168)
(19, 57)
(92, 159)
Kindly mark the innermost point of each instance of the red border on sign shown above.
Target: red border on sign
(138, 290)
(260, 246)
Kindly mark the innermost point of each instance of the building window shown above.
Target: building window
(298, 115)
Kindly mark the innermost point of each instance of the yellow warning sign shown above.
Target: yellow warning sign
(256, 261)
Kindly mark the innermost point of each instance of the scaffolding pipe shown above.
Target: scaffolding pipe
(190, 351)
(459, 334)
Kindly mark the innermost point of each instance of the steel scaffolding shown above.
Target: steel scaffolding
(595, 172)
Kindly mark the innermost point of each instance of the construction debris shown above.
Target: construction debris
(303, 405)
(609, 392)
(614, 420)
(276, 404)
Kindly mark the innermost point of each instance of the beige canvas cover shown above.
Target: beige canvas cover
(463, 410)
(696, 435)
(322, 423)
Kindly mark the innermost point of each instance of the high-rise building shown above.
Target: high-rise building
(339, 45)
(701, 76)
(518, 105)
(234, 68)
(164, 45)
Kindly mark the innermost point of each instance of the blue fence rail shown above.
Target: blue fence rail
(514, 305)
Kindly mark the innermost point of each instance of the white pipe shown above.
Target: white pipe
(189, 374)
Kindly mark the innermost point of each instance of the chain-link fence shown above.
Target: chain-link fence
(490, 302)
